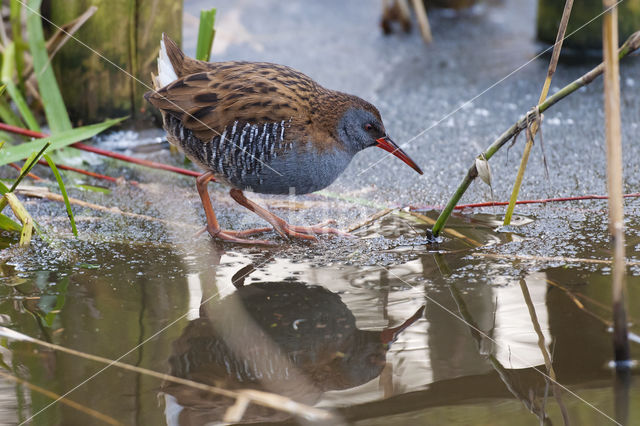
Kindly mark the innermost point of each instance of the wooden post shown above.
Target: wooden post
(127, 33)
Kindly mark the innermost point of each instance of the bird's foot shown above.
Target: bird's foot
(237, 236)
(226, 236)
(285, 230)
(308, 232)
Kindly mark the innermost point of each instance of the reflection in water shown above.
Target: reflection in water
(444, 372)
(284, 337)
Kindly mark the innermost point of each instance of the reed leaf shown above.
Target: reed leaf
(8, 224)
(63, 190)
(60, 140)
(7, 115)
(54, 107)
(15, 16)
(206, 33)
(6, 75)
(28, 165)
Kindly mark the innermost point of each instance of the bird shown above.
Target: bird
(264, 128)
(286, 337)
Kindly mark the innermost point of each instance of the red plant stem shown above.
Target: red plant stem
(134, 160)
(103, 152)
(31, 175)
(86, 172)
(541, 201)
(20, 131)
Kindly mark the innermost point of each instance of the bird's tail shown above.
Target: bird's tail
(174, 64)
(170, 56)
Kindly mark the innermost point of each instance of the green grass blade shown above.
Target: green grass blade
(10, 154)
(206, 32)
(63, 190)
(3, 188)
(52, 101)
(15, 16)
(7, 115)
(22, 106)
(6, 74)
(8, 224)
(28, 165)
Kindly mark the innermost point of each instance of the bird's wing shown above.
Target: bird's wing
(247, 92)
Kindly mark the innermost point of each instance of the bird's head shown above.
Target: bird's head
(361, 127)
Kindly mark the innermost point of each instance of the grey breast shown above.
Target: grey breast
(257, 157)
(299, 170)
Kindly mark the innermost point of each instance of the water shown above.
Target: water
(277, 320)
(314, 322)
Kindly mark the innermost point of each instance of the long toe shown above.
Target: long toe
(224, 236)
(308, 232)
(318, 229)
(236, 236)
(290, 232)
(239, 234)
(248, 232)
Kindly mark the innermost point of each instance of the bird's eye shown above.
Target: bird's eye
(368, 127)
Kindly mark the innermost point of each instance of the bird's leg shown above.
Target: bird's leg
(282, 227)
(212, 222)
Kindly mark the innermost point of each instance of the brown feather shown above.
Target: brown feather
(182, 64)
(210, 96)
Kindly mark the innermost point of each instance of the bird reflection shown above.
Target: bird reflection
(285, 337)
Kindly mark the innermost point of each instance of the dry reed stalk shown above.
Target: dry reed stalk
(41, 192)
(89, 411)
(614, 179)
(423, 21)
(265, 399)
(630, 46)
(543, 95)
(370, 219)
(557, 391)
